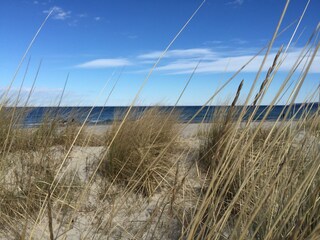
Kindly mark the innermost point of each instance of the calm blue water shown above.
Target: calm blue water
(104, 115)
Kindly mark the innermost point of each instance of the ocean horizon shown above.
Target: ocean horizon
(108, 114)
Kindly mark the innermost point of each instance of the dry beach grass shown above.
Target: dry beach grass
(153, 178)
(268, 191)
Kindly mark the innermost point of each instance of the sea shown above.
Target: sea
(195, 114)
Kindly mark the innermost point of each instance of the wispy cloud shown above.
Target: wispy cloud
(183, 61)
(105, 63)
(58, 13)
(72, 19)
(234, 42)
(234, 63)
(97, 18)
(181, 53)
(40, 96)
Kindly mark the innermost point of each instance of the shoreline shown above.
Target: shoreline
(189, 131)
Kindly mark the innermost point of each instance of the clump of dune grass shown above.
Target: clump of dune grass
(53, 131)
(139, 156)
(68, 132)
(267, 192)
(46, 134)
(29, 162)
(11, 138)
(213, 139)
(216, 134)
(263, 179)
(312, 123)
(5, 126)
(25, 185)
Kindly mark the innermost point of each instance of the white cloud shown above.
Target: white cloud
(235, 63)
(97, 18)
(58, 13)
(35, 2)
(183, 61)
(105, 63)
(181, 53)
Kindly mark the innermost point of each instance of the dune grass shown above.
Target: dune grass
(257, 194)
(312, 123)
(237, 179)
(133, 158)
(30, 158)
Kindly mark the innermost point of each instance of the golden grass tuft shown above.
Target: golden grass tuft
(26, 182)
(139, 156)
(268, 191)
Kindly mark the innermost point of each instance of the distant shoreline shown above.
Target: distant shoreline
(163, 106)
(107, 115)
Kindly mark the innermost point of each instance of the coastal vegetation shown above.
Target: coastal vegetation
(149, 176)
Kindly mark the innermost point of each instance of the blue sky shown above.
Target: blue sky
(100, 41)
